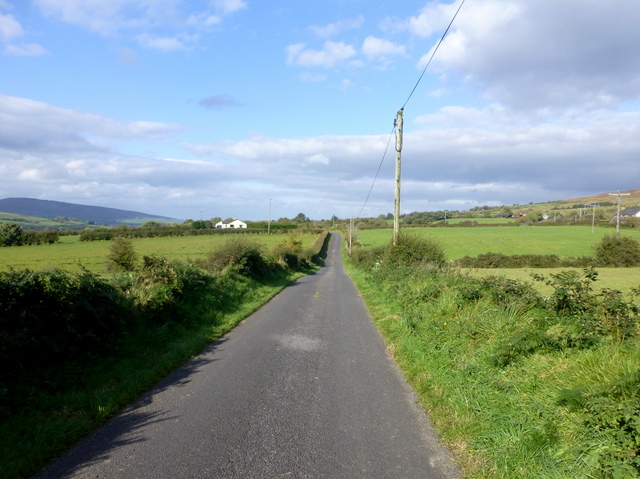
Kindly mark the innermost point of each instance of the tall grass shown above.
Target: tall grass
(517, 386)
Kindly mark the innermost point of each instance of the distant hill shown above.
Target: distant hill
(631, 197)
(82, 213)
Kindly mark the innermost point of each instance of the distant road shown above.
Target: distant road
(303, 388)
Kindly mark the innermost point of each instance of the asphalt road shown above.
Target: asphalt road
(303, 388)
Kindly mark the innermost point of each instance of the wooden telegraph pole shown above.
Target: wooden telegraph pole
(593, 219)
(396, 216)
(618, 194)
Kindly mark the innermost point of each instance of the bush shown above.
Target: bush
(10, 234)
(239, 252)
(52, 316)
(414, 250)
(498, 260)
(122, 256)
(617, 251)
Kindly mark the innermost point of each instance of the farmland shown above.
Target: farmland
(563, 241)
(519, 382)
(69, 254)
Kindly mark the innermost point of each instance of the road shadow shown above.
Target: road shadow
(127, 427)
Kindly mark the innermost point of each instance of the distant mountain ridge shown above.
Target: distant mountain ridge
(98, 214)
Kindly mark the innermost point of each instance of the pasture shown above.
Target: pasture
(72, 255)
(563, 241)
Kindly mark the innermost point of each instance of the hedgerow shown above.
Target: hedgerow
(49, 319)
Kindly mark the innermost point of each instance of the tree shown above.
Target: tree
(10, 234)
(122, 256)
(301, 218)
(508, 212)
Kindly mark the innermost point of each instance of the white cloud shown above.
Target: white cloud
(229, 6)
(381, 49)
(108, 17)
(10, 28)
(318, 158)
(167, 44)
(543, 53)
(331, 54)
(335, 28)
(105, 16)
(30, 126)
(24, 50)
(204, 20)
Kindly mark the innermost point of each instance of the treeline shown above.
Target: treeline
(12, 234)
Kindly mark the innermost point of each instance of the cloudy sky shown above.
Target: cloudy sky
(203, 108)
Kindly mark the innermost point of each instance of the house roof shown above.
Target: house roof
(630, 211)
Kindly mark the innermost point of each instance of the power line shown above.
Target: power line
(377, 172)
(407, 101)
(434, 53)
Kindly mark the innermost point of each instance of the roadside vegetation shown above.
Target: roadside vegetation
(76, 256)
(519, 385)
(76, 347)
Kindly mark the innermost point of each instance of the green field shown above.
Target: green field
(70, 253)
(481, 221)
(563, 241)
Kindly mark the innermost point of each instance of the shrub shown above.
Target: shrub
(239, 252)
(51, 316)
(413, 250)
(617, 251)
(585, 316)
(10, 234)
(122, 256)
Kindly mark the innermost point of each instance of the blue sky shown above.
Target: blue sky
(211, 108)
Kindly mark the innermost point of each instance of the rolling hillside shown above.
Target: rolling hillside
(73, 213)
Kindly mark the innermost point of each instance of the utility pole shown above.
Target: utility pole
(269, 223)
(593, 219)
(350, 241)
(618, 194)
(396, 217)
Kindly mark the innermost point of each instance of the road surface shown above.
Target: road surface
(303, 388)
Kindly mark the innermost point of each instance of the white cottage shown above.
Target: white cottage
(231, 224)
(630, 212)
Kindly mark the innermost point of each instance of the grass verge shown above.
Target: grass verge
(516, 386)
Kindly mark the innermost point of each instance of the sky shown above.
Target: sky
(195, 109)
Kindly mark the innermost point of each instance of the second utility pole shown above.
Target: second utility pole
(396, 216)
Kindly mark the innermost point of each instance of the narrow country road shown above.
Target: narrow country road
(303, 388)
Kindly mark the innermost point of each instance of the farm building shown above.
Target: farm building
(630, 212)
(231, 224)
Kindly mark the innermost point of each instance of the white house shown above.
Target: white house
(231, 224)
(631, 212)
